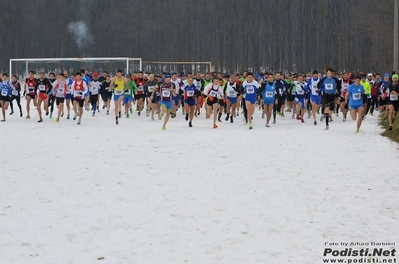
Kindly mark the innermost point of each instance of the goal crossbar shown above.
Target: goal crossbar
(27, 60)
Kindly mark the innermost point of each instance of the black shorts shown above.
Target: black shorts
(382, 102)
(211, 103)
(221, 102)
(59, 100)
(31, 96)
(139, 96)
(290, 97)
(395, 105)
(364, 97)
(329, 101)
(80, 101)
(5, 98)
(342, 99)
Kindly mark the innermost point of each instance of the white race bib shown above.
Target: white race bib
(293, 92)
(329, 86)
(42, 87)
(165, 93)
(4, 92)
(61, 90)
(269, 94)
(393, 97)
(213, 93)
(250, 90)
(118, 92)
(141, 88)
(346, 86)
(356, 96)
(14, 92)
(300, 91)
(190, 93)
(150, 88)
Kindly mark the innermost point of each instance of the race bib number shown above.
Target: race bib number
(14, 92)
(393, 97)
(157, 94)
(150, 88)
(314, 87)
(213, 93)
(232, 94)
(127, 92)
(369, 96)
(250, 90)
(356, 96)
(329, 86)
(293, 92)
(60, 90)
(118, 92)
(78, 94)
(31, 89)
(300, 91)
(166, 93)
(4, 92)
(346, 86)
(141, 88)
(269, 94)
(42, 87)
(190, 93)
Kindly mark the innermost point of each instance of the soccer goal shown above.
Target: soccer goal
(21, 67)
(177, 66)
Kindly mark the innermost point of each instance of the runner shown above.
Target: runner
(5, 95)
(250, 87)
(329, 86)
(85, 76)
(315, 97)
(269, 94)
(79, 89)
(176, 99)
(200, 84)
(15, 94)
(345, 83)
(119, 87)
(190, 91)
(393, 100)
(68, 95)
(213, 93)
(166, 90)
(60, 89)
(44, 87)
(355, 94)
(128, 94)
(95, 89)
(30, 88)
(106, 86)
(383, 97)
(149, 88)
(291, 94)
(232, 91)
(366, 95)
(281, 86)
(51, 97)
(140, 81)
(301, 90)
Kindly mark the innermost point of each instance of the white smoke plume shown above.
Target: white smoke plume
(82, 35)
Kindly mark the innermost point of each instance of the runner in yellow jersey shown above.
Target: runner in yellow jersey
(118, 83)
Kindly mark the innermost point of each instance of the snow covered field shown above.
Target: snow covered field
(132, 193)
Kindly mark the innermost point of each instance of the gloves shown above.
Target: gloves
(211, 98)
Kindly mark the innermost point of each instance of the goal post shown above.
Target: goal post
(21, 67)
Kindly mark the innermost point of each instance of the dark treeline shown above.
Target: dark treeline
(288, 35)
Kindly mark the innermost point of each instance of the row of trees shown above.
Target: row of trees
(289, 35)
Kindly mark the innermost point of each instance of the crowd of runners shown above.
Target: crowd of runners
(161, 96)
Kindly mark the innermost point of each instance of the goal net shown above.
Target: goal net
(176, 66)
(21, 67)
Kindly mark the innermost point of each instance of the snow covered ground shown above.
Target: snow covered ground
(133, 193)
